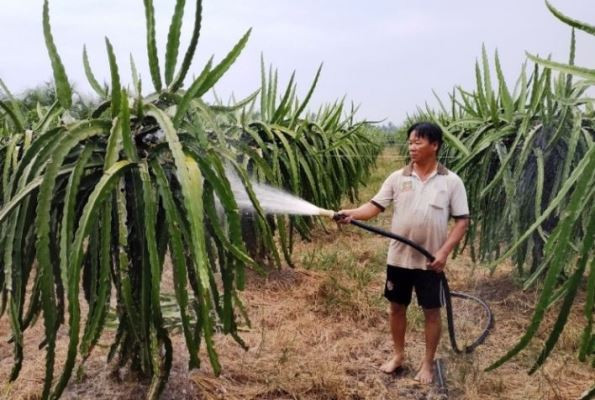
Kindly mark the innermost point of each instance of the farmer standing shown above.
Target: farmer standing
(425, 195)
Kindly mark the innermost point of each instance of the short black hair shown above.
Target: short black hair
(427, 130)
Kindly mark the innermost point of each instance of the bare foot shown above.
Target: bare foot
(425, 374)
(392, 365)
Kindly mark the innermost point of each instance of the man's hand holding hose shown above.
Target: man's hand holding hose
(455, 235)
(342, 218)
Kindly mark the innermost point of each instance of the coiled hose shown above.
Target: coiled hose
(447, 293)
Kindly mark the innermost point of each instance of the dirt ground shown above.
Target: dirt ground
(320, 331)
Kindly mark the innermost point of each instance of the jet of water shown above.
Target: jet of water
(272, 200)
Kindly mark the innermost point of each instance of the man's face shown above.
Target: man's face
(420, 149)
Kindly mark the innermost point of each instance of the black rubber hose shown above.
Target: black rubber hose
(450, 318)
(447, 293)
(391, 235)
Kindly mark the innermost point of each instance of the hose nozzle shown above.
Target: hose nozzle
(327, 213)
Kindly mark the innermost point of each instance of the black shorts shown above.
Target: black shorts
(401, 281)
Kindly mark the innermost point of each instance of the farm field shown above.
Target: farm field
(319, 331)
(159, 244)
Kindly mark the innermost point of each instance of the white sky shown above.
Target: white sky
(385, 55)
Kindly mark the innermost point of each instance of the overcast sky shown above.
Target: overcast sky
(386, 55)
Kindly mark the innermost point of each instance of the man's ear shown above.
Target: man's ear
(435, 145)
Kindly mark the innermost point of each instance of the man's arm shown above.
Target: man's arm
(454, 237)
(362, 213)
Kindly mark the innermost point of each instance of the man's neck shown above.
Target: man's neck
(424, 169)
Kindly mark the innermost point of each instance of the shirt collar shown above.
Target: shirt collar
(440, 169)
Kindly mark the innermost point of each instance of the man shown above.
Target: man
(425, 194)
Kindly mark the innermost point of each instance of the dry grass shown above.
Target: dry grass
(319, 331)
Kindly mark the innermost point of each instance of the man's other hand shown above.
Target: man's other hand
(439, 261)
(343, 217)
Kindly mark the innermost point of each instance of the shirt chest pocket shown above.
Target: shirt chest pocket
(437, 211)
(439, 198)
